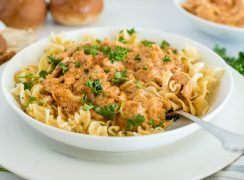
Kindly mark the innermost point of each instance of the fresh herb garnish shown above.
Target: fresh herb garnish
(147, 43)
(119, 77)
(137, 57)
(138, 84)
(172, 117)
(122, 40)
(135, 121)
(43, 74)
(119, 54)
(106, 70)
(95, 86)
(145, 67)
(87, 107)
(131, 31)
(64, 67)
(91, 49)
(152, 123)
(166, 58)
(98, 41)
(108, 111)
(236, 62)
(84, 99)
(77, 64)
(53, 61)
(164, 44)
(32, 98)
(28, 85)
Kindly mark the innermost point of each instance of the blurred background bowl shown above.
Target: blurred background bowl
(225, 32)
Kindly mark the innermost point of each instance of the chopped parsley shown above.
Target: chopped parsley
(32, 98)
(98, 41)
(145, 67)
(53, 61)
(77, 64)
(95, 86)
(152, 123)
(28, 85)
(236, 62)
(147, 43)
(122, 40)
(64, 67)
(166, 58)
(87, 107)
(138, 84)
(119, 54)
(84, 99)
(108, 111)
(119, 77)
(43, 74)
(91, 49)
(137, 57)
(106, 70)
(164, 44)
(131, 31)
(135, 121)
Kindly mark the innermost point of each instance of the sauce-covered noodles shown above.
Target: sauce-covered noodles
(114, 87)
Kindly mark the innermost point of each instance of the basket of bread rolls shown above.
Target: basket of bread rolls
(22, 17)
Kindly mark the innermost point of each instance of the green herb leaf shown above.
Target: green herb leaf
(119, 54)
(106, 70)
(236, 62)
(164, 44)
(91, 49)
(43, 74)
(27, 85)
(95, 86)
(137, 57)
(138, 84)
(120, 77)
(108, 111)
(64, 67)
(87, 107)
(98, 41)
(27, 76)
(147, 43)
(32, 98)
(53, 61)
(135, 121)
(77, 64)
(122, 40)
(152, 123)
(166, 58)
(131, 31)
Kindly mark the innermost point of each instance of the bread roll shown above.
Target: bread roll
(23, 13)
(75, 12)
(3, 44)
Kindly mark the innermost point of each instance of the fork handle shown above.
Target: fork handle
(230, 141)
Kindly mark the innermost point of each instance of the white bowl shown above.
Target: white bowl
(31, 55)
(218, 30)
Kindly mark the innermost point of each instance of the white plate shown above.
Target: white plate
(31, 155)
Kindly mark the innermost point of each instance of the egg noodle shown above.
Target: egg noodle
(120, 87)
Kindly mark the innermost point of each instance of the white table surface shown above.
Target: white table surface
(151, 14)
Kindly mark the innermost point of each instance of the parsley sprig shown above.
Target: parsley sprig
(147, 43)
(95, 86)
(236, 62)
(119, 54)
(135, 121)
(119, 77)
(108, 111)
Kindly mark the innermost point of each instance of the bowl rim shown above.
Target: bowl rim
(204, 21)
(8, 96)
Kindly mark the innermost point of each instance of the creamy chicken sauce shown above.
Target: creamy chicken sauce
(227, 12)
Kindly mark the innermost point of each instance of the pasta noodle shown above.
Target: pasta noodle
(121, 87)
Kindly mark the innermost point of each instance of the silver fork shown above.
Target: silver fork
(230, 141)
